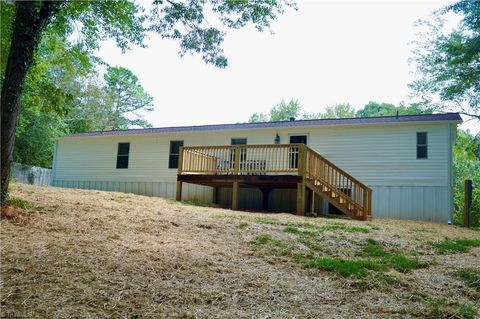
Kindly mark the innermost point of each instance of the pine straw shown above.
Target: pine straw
(92, 254)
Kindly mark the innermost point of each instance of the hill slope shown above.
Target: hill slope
(85, 253)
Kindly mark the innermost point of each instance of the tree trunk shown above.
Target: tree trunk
(30, 20)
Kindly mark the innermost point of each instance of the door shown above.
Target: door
(243, 152)
(296, 139)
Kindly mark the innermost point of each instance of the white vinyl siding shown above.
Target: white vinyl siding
(382, 156)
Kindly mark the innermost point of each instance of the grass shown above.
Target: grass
(147, 257)
(404, 264)
(373, 257)
(436, 307)
(312, 229)
(451, 246)
(195, 202)
(262, 240)
(470, 276)
(346, 228)
(17, 202)
(267, 239)
(467, 311)
(276, 247)
(292, 230)
(373, 249)
(266, 220)
(396, 260)
(444, 308)
(379, 281)
(312, 244)
(347, 268)
(242, 225)
(440, 307)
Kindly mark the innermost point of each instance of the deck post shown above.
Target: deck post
(369, 216)
(300, 199)
(302, 161)
(215, 195)
(367, 204)
(312, 202)
(178, 196)
(265, 192)
(180, 161)
(235, 196)
(236, 163)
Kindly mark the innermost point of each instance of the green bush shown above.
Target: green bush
(466, 165)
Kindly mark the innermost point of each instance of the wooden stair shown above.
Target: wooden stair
(342, 190)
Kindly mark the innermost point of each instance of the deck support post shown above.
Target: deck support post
(265, 192)
(215, 195)
(300, 199)
(178, 196)
(312, 202)
(301, 186)
(235, 196)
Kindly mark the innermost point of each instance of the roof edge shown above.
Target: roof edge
(351, 121)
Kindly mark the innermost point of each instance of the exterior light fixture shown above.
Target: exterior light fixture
(277, 139)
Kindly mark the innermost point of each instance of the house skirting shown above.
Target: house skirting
(429, 203)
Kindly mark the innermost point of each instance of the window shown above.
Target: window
(239, 141)
(174, 153)
(297, 139)
(422, 148)
(122, 155)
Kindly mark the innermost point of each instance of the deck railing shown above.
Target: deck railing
(240, 159)
(277, 159)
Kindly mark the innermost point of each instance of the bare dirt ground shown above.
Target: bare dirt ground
(93, 254)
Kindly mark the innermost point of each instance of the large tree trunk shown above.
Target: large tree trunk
(30, 20)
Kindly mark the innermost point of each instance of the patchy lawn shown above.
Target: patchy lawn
(89, 254)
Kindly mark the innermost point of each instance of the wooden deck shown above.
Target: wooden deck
(274, 166)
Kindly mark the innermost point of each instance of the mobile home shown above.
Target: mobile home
(391, 166)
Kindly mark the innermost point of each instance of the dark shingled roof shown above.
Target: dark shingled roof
(447, 117)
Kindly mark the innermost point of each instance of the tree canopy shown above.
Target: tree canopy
(47, 63)
(385, 109)
(200, 26)
(126, 98)
(448, 63)
(336, 111)
(283, 111)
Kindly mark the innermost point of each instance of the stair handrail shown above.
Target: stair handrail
(365, 205)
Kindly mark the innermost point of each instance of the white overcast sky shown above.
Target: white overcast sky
(325, 53)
